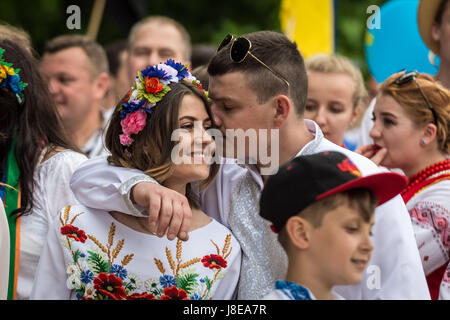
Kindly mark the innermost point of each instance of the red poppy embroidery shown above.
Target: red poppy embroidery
(152, 85)
(74, 233)
(109, 285)
(173, 293)
(141, 296)
(214, 261)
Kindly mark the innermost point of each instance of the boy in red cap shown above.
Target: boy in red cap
(325, 225)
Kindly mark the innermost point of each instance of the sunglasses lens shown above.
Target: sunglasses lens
(224, 42)
(239, 49)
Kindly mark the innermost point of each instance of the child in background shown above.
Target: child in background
(324, 225)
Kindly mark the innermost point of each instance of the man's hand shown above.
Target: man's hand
(373, 153)
(168, 210)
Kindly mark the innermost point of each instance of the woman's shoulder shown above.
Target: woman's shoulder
(62, 156)
(59, 167)
(433, 195)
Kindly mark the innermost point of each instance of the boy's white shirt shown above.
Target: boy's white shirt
(394, 272)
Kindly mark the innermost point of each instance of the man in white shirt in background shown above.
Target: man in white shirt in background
(260, 82)
(76, 68)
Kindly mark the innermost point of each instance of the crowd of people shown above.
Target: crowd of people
(123, 176)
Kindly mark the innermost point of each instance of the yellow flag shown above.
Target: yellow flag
(310, 23)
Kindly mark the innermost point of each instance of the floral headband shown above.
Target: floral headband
(9, 78)
(150, 87)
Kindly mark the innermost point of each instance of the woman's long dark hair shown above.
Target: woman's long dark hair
(35, 123)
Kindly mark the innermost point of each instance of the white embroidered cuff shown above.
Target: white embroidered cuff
(124, 190)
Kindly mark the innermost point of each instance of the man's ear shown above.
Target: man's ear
(283, 106)
(299, 232)
(101, 85)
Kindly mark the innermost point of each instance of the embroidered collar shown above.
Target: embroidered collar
(293, 290)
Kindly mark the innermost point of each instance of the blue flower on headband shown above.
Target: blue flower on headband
(130, 107)
(150, 87)
(181, 69)
(14, 84)
(153, 72)
(9, 78)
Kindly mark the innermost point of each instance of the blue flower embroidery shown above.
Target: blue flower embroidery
(119, 271)
(293, 290)
(86, 276)
(195, 297)
(167, 281)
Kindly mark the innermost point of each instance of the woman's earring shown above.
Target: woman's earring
(423, 142)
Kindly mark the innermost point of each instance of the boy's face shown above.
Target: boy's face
(341, 246)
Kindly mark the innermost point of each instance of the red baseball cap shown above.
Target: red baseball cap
(306, 179)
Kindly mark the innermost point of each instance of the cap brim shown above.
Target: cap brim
(384, 186)
(426, 13)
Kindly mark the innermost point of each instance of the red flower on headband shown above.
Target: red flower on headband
(74, 233)
(128, 95)
(152, 85)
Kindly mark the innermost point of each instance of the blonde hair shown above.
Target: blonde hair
(411, 100)
(325, 63)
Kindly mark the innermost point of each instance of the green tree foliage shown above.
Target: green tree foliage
(207, 21)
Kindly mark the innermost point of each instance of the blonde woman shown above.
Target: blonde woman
(336, 95)
(411, 123)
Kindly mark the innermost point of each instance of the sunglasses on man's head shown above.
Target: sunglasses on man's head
(407, 77)
(240, 49)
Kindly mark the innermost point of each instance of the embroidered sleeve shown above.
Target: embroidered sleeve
(125, 189)
(435, 218)
(444, 291)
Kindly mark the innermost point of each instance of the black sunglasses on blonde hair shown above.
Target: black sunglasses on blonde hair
(240, 49)
(407, 77)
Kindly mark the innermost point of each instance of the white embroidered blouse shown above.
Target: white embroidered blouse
(52, 192)
(430, 214)
(90, 255)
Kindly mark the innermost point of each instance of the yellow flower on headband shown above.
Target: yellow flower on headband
(2, 73)
(9, 70)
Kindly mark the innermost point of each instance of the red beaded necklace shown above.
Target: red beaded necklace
(427, 172)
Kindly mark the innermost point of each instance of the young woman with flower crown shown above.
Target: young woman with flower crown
(412, 122)
(91, 254)
(36, 163)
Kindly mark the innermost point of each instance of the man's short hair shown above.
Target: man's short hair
(280, 54)
(94, 52)
(162, 20)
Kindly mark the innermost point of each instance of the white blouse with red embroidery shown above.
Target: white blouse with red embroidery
(90, 255)
(429, 209)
